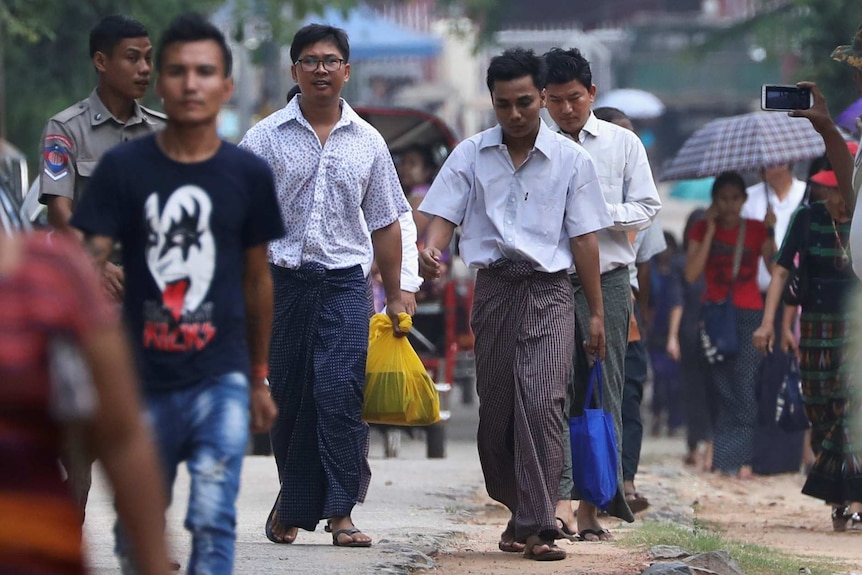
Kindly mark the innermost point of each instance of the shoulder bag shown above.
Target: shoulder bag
(718, 319)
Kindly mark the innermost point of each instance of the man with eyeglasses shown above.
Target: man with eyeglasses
(340, 201)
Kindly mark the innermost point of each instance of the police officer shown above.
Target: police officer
(75, 139)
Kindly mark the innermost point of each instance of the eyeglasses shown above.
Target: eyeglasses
(310, 63)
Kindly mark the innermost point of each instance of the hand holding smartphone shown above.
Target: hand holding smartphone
(779, 97)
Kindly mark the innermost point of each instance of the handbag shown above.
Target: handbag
(718, 319)
(789, 408)
(594, 448)
(796, 287)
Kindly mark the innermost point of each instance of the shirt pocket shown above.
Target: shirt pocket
(542, 211)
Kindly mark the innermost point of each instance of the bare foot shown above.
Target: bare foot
(280, 532)
(745, 473)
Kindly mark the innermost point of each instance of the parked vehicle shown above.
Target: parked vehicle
(441, 329)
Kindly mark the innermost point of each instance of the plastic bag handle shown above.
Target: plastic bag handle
(596, 376)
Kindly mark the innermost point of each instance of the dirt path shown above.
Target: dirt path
(767, 511)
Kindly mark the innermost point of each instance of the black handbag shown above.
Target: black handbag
(796, 287)
(789, 408)
(718, 335)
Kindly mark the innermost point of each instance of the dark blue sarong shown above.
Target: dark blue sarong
(317, 374)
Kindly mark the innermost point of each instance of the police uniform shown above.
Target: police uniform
(75, 140)
(72, 144)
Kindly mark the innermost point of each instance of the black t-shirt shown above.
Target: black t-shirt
(184, 229)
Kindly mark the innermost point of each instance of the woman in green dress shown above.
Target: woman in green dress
(818, 235)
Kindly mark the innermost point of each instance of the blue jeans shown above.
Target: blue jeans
(205, 425)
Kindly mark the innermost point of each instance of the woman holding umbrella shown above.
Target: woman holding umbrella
(727, 248)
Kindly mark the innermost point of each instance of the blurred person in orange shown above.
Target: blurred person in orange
(53, 314)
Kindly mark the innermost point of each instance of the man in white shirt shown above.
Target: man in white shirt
(633, 200)
(529, 203)
(340, 201)
(781, 193)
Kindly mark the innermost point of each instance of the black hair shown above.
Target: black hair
(728, 179)
(609, 114)
(193, 27)
(314, 33)
(671, 242)
(111, 30)
(695, 216)
(424, 152)
(293, 92)
(517, 63)
(567, 65)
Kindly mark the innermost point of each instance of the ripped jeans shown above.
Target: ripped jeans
(207, 426)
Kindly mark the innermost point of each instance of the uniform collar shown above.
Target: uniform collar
(544, 139)
(99, 114)
(293, 113)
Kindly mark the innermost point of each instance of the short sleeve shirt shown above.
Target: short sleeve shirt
(527, 213)
(719, 265)
(76, 139)
(332, 196)
(184, 230)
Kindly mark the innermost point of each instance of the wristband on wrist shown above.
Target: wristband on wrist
(260, 371)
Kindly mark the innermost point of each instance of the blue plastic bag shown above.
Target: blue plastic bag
(594, 448)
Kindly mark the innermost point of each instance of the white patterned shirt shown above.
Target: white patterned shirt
(627, 184)
(523, 214)
(333, 196)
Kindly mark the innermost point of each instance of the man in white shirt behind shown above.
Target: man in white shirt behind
(781, 192)
(630, 192)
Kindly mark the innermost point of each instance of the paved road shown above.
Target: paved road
(414, 506)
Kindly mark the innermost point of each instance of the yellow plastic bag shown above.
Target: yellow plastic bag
(398, 390)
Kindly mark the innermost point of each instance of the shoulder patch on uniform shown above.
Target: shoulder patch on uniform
(56, 149)
(71, 112)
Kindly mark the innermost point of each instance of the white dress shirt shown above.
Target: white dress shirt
(523, 214)
(648, 243)
(333, 196)
(410, 279)
(755, 209)
(627, 185)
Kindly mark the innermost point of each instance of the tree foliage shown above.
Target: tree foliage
(44, 46)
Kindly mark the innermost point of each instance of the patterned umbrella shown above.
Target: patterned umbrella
(744, 143)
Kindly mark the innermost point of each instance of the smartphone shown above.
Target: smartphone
(781, 97)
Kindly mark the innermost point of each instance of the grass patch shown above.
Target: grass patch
(753, 559)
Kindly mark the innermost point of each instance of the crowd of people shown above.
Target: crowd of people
(241, 273)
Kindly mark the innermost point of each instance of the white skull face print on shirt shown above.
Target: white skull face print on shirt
(180, 249)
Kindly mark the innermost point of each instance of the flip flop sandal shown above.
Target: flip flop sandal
(597, 532)
(637, 502)
(350, 531)
(565, 532)
(511, 546)
(553, 553)
(268, 528)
